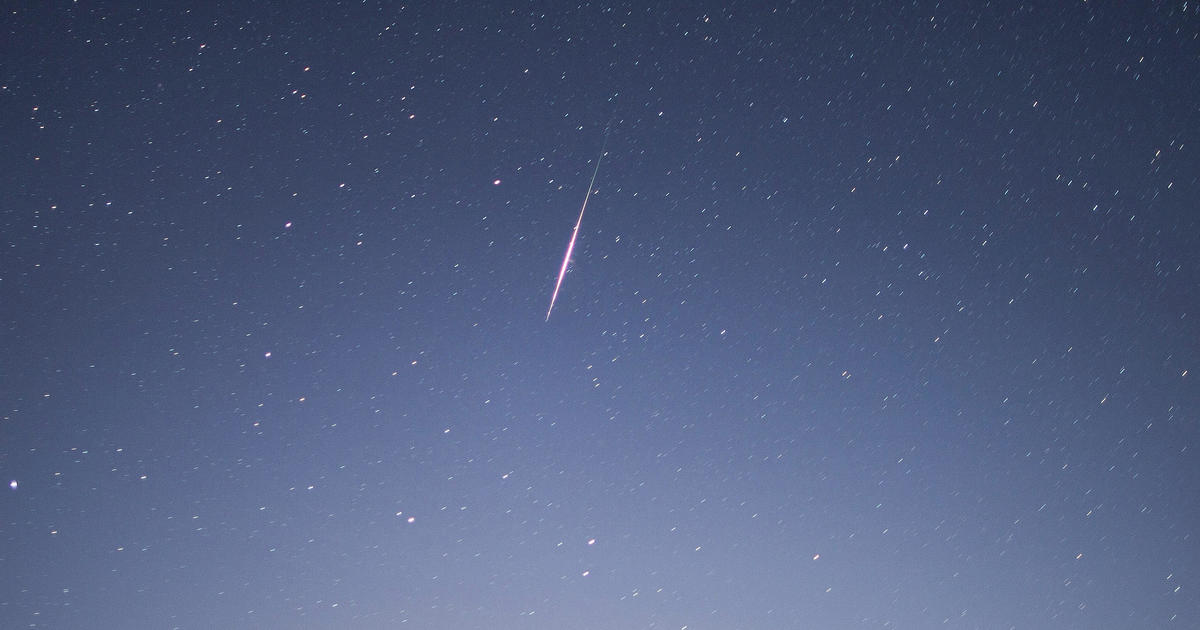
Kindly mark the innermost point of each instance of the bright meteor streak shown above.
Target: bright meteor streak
(562, 271)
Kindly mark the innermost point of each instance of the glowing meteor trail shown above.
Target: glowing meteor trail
(562, 271)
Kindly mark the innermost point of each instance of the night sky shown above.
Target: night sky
(881, 315)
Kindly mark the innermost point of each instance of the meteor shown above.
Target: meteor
(562, 271)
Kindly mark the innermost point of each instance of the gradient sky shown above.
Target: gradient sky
(882, 316)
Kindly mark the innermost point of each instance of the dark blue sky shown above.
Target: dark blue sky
(881, 316)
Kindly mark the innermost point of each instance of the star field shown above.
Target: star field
(882, 315)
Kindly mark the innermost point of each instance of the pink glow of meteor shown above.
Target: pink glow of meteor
(562, 271)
